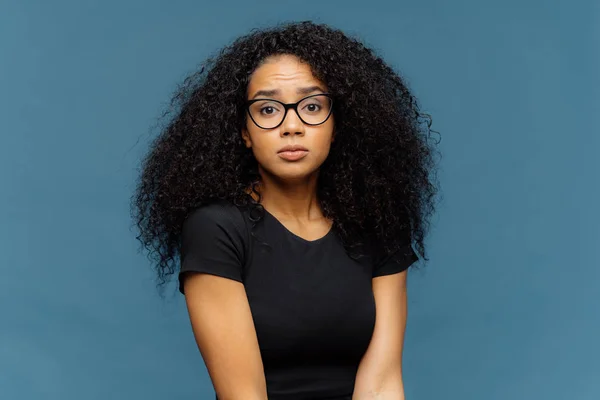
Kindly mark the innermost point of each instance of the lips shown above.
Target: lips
(292, 152)
(295, 147)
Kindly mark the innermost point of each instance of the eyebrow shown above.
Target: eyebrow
(274, 92)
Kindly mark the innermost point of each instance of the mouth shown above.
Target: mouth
(294, 147)
(292, 153)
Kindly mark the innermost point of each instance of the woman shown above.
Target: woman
(290, 187)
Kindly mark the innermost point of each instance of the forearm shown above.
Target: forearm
(240, 394)
(390, 387)
(379, 395)
(241, 389)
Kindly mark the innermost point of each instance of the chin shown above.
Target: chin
(294, 176)
(292, 172)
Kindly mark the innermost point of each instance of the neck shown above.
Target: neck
(294, 200)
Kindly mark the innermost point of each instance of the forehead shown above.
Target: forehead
(281, 71)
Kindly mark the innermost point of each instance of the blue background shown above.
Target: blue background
(508, 306)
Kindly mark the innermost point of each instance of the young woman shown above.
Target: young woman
(290, 191)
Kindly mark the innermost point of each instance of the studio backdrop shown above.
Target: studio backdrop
(507, 306)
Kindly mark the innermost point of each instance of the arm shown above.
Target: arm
(379, 375)
(224, 331)
(213, 251)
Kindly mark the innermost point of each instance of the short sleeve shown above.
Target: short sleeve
(213, 242)
(396, 262)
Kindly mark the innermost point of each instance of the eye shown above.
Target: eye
(313, 107)
(268, 110)
(265, 108)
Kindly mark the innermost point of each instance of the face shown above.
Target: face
(286, 79)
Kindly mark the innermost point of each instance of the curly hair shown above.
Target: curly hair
(376, 184)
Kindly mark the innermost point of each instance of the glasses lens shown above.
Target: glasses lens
(313, 110)
(266, 113)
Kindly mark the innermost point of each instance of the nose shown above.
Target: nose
(292, 124)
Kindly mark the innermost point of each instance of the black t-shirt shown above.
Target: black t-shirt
(312, 305)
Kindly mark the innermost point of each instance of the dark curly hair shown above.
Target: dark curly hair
(376, 184)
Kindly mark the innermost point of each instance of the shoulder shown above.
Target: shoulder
(397, 261)
(221, 220)
(220, 213)
(213, 241)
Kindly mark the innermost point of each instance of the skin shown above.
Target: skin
(218, 307)
(288, 188)
(379, 374)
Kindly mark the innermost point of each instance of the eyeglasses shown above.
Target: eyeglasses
(270, 113)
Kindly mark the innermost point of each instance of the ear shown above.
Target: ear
(246, 138)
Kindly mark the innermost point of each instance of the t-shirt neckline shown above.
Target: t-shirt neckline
(316, 241)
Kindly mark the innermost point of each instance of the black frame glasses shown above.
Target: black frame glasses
(292, 106)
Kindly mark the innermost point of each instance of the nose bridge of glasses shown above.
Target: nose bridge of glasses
(292, 107)
(295, 122)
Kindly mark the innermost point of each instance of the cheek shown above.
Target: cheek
(262, 146)
(324, 150)
(323, 142)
